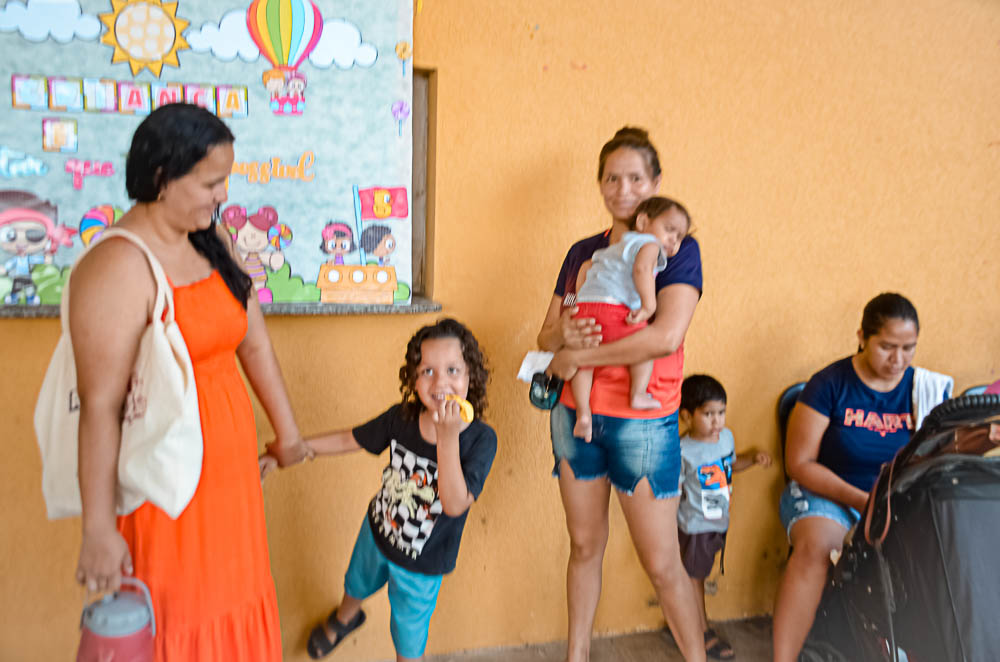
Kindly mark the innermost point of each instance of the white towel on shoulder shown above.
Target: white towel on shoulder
(929, 390)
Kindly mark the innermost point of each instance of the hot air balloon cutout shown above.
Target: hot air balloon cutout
(96, 221)
(286, 32)
(404, 52)
(400, 110)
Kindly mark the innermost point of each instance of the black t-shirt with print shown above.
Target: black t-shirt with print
(406, 515)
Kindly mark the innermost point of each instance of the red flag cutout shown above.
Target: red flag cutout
(381, 202)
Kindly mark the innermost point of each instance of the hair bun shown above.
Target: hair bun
(632, 132)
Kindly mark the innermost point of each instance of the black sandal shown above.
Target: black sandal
(319, 644)
(721, 649)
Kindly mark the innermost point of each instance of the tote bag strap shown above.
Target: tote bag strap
(164, 293)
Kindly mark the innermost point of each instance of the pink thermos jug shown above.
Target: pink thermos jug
(118, 627)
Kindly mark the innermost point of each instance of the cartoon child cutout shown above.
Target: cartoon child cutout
(274, 82)
(250, 236)
(338, 241)
(29, 233)
(378, 242)
(295, 100)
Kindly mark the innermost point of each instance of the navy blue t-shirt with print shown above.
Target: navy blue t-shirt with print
(685, 267)
(866, 428)
(406, 515)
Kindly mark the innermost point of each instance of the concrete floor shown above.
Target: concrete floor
(751, 640)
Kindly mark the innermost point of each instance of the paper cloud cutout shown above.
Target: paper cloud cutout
(227, 39)
(341, 44)
(63, 20)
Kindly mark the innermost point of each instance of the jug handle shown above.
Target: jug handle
(134, 582)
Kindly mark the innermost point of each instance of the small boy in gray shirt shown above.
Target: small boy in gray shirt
(708, 461)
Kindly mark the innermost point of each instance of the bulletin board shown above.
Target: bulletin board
(317, 93)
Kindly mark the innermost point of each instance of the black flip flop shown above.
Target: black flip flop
(319, 645)
(721, 649)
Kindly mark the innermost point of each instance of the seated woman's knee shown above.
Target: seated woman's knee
(815, 548)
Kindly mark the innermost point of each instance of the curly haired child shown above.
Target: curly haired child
(437, 465)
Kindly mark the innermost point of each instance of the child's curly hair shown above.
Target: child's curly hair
(475, 361)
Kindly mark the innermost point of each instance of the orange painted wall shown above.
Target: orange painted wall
(827, 151)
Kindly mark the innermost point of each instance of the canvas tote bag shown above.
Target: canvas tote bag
(161, 444)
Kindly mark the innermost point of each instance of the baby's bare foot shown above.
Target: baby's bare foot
(645, 401)
(583, 428)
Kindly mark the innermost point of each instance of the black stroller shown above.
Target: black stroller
(919, 577)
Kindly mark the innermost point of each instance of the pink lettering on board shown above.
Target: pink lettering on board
(167, 93)
(100, 95)
(200, 95)
(133, 98)
(80, 169)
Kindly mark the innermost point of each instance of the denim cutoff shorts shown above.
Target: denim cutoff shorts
(625, 450)
(798, 503)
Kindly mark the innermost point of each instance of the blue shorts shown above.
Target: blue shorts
(412, 595)
(626, 450)
(798, 503)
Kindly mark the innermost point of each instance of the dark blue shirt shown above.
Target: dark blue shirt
(866, 428)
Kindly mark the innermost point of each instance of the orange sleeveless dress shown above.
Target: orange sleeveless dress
(208, 570)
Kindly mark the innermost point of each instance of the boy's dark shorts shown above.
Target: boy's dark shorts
(698, 551)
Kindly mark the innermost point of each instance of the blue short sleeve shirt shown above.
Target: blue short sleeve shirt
(866, 427)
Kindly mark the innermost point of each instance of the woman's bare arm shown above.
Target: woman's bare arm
(262, 370)
(111, 298)
(805, 432)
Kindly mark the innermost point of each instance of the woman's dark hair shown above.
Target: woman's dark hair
(696, 390)
(479, 373)
(654, 207)
(883, 308)
(633, 138)
(166, 146)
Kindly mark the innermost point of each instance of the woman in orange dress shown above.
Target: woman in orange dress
(208, 570)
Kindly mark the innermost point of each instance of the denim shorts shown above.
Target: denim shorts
(412, 595)
(798, 503)
(625, 450)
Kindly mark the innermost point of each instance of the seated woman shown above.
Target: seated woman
(851, 417)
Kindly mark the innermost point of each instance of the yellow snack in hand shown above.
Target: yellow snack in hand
(466, 411)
